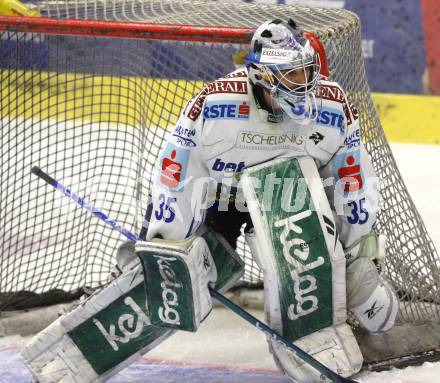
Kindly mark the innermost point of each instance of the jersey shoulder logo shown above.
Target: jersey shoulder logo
(353, 140)
(332, 118)
(351, 113)
(184, 136)
(241, 73)
(348, 172)
(173, 166)
(226, 110)
(216, 87)
(330, 91)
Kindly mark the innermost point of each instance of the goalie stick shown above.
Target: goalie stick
(323, 370)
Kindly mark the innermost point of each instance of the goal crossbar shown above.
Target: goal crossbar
(129, 30)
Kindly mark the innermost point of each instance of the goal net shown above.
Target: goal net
(89, 93)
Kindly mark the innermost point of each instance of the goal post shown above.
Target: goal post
(89, 92)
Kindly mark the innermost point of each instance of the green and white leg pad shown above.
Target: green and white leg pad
(113, 327)
(295, 243)
(98, 338)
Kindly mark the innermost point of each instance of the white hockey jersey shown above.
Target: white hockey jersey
(223, 130)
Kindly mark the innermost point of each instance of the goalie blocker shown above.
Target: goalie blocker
(128, 318)
(295, 243)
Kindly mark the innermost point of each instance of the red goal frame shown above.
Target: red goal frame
(136, 30)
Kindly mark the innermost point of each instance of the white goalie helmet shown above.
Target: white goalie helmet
(277, 50)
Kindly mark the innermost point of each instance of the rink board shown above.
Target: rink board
(88, 98)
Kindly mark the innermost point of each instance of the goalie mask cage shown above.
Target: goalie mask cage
(89, 93)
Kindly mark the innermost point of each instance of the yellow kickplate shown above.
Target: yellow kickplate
(409, 118)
